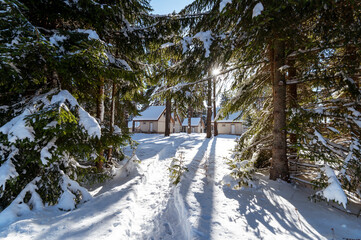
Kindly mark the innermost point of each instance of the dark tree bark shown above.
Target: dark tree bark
(209, 109)
(279, 164)
(100, 102)
(215, 127)
(112, 118)
(292, 98)
(100, 116)
(190, 113)
(168, 112)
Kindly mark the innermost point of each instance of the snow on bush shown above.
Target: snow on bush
(18, 207)
(223, 4)
(52, 143)
(257, 10)
(334, 190)
(241, 172)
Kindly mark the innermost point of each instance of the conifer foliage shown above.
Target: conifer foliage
(48, 139)
(50, 143)
(269, 46)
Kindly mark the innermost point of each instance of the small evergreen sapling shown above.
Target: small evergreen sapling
(242, 171)
(177, 168)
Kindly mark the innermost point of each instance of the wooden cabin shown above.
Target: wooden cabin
(230, 125)
(152, 120)
(197, 125)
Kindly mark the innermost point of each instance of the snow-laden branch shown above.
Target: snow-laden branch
(334, 190)
(181, 85)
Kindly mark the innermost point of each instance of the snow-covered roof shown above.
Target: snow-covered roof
(230, 118)
(130, 124)
(151, 113)
(194, 122)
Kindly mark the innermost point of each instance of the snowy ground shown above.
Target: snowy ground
(144, 205)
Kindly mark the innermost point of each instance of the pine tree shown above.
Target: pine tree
(82, 46)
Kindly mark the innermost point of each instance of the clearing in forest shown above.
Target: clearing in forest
(142, 203)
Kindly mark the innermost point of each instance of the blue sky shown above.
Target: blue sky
(168, 6)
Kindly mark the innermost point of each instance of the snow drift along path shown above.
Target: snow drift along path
(145, 205)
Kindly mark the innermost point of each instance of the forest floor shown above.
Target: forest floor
(142, 203)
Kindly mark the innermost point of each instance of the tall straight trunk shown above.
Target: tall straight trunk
(175, 116)
(279, 164)
(292, 96)
(168, 111)
(214, 108)
(112, 118)
(100, 116)
(190, 113)
(100, 101)
(209, 109)
(126, 118)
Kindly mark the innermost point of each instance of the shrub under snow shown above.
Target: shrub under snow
(43, 151)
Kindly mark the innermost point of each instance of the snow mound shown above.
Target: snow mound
(70, 187)
(18, 207)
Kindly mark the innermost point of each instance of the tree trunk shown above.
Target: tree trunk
(100, 116)
(126, 119)
(292, 93)
(175, 116)
(279, 164)
(112, 118)
(100, 102)
(209, 109)
(189, 128)
(215, 127)
(168, 111)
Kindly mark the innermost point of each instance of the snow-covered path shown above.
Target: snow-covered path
(145, 205)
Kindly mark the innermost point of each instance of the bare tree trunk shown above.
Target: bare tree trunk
(175, 116)
(112, 118)
(214, 108)
(209, 109)
(126, 118)
(168, 111)
(55, 80)
(292, 93)
(279, 164)
(189, 128)
(100, 102)
(100, 116)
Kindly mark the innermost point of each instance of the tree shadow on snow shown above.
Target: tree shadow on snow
(266, 205)
(172, 221)
(206, 198)
(152, 146)
(75, 224)
(193, 166)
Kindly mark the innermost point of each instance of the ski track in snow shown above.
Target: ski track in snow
(145, 205)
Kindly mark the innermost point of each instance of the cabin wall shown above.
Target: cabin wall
(226, 128)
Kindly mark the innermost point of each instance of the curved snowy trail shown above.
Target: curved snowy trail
(141, 203)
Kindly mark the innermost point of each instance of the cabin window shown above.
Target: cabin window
(144, 123)
(223, 125)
